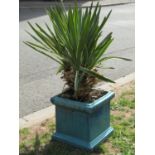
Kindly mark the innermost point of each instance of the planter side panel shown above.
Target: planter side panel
(72, 122)
(99, 121)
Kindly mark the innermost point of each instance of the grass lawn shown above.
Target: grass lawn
(36, 140)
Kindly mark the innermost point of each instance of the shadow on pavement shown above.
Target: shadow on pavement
(28, 13)
(31, 11)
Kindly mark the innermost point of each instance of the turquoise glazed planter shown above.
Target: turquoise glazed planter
(82, 125)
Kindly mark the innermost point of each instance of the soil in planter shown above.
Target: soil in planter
(89, 96)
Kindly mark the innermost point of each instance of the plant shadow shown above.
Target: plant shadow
(56, 148)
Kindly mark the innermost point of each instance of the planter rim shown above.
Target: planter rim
(88, 107)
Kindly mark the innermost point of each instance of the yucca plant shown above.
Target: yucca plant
(74, 44)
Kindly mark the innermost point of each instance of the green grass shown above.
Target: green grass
(24, 132)
(120, 143)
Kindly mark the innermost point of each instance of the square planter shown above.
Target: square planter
(82, 125)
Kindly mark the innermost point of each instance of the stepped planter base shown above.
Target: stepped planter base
(83, 125)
